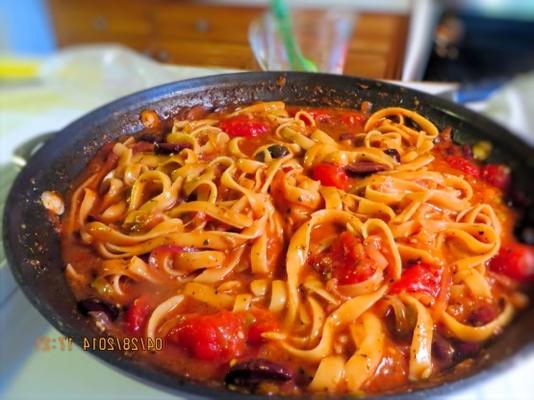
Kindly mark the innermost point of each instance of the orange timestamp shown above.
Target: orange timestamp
(49, 343)
(64, 343)
(122, 343)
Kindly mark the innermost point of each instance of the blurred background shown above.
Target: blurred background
(455, 40)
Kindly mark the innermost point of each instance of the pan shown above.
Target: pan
(33, 247)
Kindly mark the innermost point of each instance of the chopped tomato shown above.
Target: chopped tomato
(137, 313)
(331, 175)
(463, 165)
(345, 260)
(514, 260)
(244, 126)
(218, 336)
(353, 119)
(497, 175)
(265, 321)
(350, 119)
(321, 115)
(421, 277)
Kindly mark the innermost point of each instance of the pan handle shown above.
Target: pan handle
(23, 152)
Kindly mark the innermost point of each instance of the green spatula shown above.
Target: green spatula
(296, 60)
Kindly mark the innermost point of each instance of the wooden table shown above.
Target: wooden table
(190, 33)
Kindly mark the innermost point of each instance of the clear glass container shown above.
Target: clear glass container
(323, 37)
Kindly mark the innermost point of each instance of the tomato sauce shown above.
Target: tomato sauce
(203, 344)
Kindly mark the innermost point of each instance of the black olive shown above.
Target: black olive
(278, 150)
(442, 350)
(483, 315)
(93, 304)
(463, 350)
(364, 168)
(147, 137)
(393, 153)
(275, 150)
(401, 328)
(260, 156)
(169, 148)
(411, 124)
(353, 138)
(252, 372)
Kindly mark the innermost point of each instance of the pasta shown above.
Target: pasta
(333, 243)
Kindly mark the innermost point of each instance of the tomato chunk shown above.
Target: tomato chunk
(353, 119)
(331, 175)
(242, 125)
(321, 115)
(514, 260)
(350, 119)
(265, 322)
(421, 277)
(497, 175)
(137, 313)
(463, 165)
(345, 260)
(213, 337)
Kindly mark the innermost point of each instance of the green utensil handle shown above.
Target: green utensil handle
(296, 60)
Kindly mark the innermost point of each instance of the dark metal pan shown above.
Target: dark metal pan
(32, 245)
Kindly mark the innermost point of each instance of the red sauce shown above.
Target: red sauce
(343, 126)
